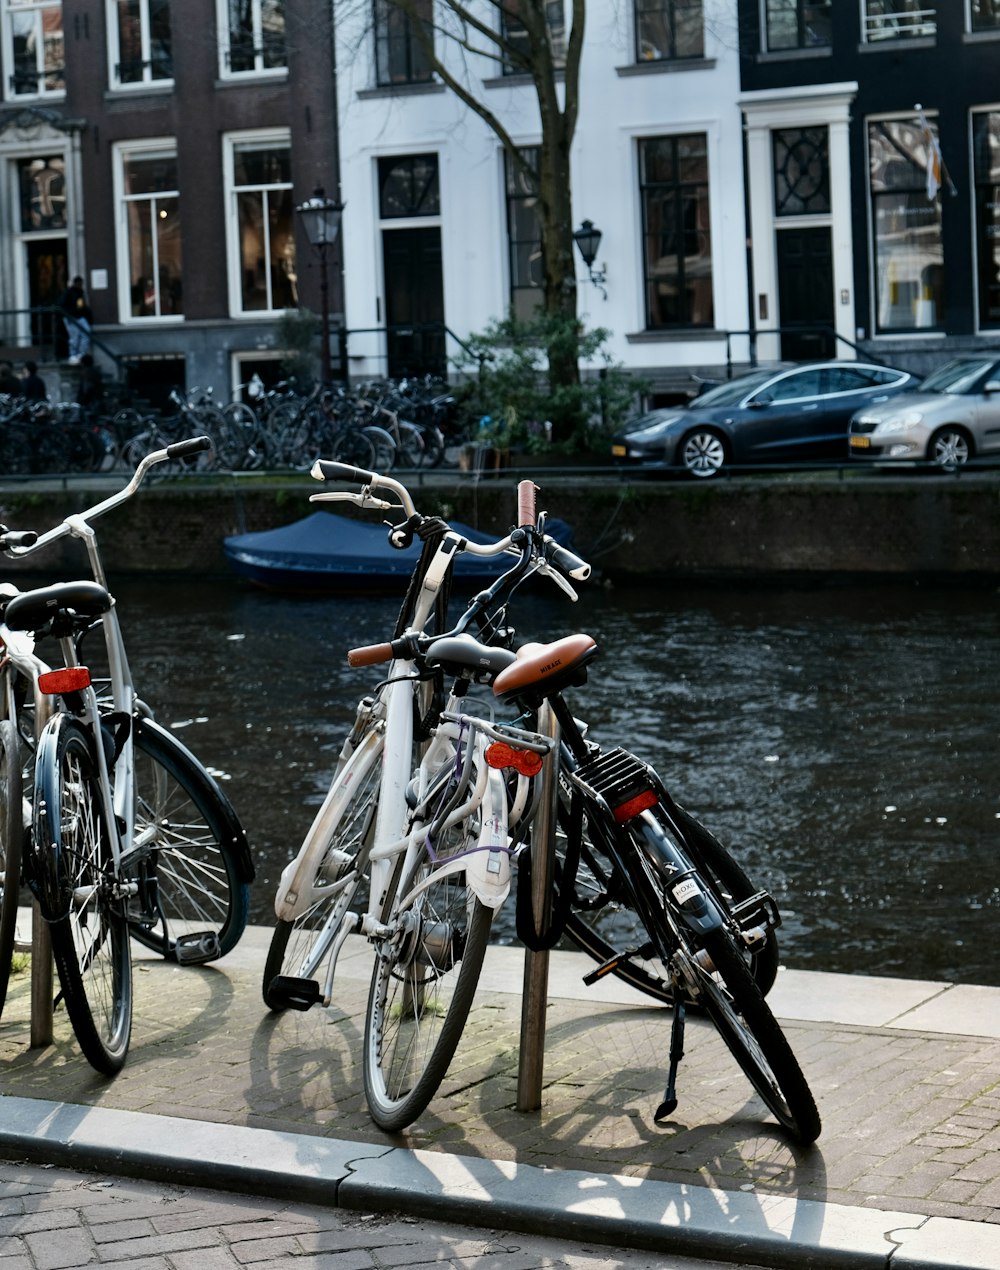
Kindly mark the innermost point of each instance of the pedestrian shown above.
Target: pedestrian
(32, 384)
(90, 392)
(77, 319)
(10, 385)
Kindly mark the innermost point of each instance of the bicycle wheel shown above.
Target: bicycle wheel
(334, 860)
(423, 983)
(603, 923)
(410, 452)
(734, 1004)
(383, 445)
(434, 446)
(195, 867)
(11, 845)
(237, 435)
(90, 943)
(352, 446)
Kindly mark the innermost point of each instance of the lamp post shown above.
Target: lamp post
(588, 239)
(321, 219)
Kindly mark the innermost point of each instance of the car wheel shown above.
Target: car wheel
(702, 453)
(949, 447)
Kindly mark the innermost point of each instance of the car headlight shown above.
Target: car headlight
(899, 423)
(657, 430)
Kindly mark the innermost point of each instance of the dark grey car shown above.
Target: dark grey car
(775, 416)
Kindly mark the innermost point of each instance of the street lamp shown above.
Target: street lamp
(588, 239)
(321, 220)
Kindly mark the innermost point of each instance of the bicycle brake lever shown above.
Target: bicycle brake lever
(555, 576)
(360, 500)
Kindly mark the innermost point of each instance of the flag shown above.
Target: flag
(935, 164)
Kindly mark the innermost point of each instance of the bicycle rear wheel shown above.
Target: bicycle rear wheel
(90, 943)
(11, 846)
(423, 983)
(334, 860)
(196, 867)
(733, 1002)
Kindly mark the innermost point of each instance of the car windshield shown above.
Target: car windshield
(733, 391)
(957, 376)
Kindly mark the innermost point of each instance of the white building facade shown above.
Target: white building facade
(435, 230)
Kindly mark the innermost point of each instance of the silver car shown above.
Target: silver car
(951, 418)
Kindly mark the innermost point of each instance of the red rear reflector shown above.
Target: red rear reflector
(631, 808)
(502, 755)
(71, 679)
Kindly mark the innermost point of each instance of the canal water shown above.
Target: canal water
(842, 740)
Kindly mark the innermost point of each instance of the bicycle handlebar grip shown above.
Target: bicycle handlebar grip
(193, 445)
(526, 514)
(566, 561)
(328, 470)
(370, 655)
(18, 538)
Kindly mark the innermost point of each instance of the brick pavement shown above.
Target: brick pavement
(911, 1117)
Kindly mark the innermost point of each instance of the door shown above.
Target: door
(47, 266)
(805, 293)
(414, 298)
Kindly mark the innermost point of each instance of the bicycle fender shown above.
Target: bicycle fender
(44, 867)
(487, 869)
(690, 899)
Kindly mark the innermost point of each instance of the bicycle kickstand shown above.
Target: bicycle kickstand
(669, 1103)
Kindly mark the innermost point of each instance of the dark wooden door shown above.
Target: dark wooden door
(414, 301)
(805, 293)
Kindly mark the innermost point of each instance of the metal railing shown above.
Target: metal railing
(821, 330)
(40, 333)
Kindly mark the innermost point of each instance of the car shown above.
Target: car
(785, 414)
(951, 418)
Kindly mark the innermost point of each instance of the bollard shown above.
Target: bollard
(534, 1000)
(41, 980)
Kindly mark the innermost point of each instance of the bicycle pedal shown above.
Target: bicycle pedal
(290, 993)
(196, 948)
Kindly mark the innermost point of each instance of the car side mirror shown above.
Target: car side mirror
(992, 385)
(758, 403)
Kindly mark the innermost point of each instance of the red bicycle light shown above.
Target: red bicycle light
(501, 755)
(71, 679)
(633, 806)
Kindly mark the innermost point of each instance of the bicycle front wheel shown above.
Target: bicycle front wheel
(734, 1003)
(196, 870)
(90, 943)
(11, 846)
(333, 861)
(423, 984)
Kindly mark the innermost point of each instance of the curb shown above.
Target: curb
(768, 1230)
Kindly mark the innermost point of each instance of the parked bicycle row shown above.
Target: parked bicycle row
(465, 768)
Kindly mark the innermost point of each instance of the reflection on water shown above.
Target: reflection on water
(841, 740)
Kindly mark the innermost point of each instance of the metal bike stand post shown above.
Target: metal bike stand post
(534, 1000)
(41, 980)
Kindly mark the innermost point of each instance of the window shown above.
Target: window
(899, 19)
(801, 171)
(408, 186)
(805, 383)
(42, 188)
(798, 24)
(150, 237)
(140, 43)
(985, 15)
(32, 48)
(263, 219)
(515, 32)
(677, 248)
(908, 252)
(986, 174)
(524, 234)
(252, 36)
(666, 30)
(399, 55)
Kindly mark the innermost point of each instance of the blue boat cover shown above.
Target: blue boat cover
(327, 551)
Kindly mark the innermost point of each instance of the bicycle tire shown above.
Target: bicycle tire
(744, 1020)
(434, 446)
(410, 451)
(201, 881)
(383, 445)
(445, 923)
(298, 946)
(602, 907)
(11, 847)
(352, 446)
(90, 943)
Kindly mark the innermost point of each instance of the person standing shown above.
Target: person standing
(77, 319)
(32, 384)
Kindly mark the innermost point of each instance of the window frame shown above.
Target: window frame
(385, 42)
(148, 81)
(225, 41)
(122, 152)
(8, 11)
(924, 13)
(514, 197)
(801, 44)
(262, 138)
(970, 19)
(646, 8)
(985, 199)
(555, 17)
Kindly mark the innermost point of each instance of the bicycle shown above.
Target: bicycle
(129, 834)
(616, 811)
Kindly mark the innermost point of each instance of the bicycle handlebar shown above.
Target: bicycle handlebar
(526, 513)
